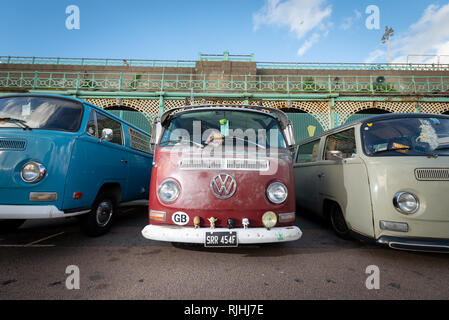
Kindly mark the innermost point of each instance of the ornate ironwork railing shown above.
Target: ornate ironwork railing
(355, 66)
(221, 57)
(283, 84)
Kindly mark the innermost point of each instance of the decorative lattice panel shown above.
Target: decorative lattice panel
(345, 109)
(434, 107)
(397, 107)
(145, 106)
(170, 104)
(318, 109)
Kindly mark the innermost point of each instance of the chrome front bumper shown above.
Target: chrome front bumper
(34, 212)
(415, 244)
(245, 236)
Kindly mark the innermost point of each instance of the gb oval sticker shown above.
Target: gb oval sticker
(180, 218)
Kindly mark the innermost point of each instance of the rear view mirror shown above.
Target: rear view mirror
(107, 134)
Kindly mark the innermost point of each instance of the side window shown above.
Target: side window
(308, 152)
(340, 145)
(104, 122)
(92, 129)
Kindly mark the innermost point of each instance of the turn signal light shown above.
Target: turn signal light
(287, 217)
(43, 196)
(77, 195)
(158, 215)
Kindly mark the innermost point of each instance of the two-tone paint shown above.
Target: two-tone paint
(361, 188)
(79, 167)
(197, 200)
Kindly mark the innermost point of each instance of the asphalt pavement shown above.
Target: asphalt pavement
(42, 259)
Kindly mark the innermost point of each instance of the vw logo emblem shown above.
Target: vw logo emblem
(223, 186)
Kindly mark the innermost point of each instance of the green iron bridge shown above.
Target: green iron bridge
(316, 96)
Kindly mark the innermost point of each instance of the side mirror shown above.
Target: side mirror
(106, 135)
(334, 155)
(288, 131)
(156, 132)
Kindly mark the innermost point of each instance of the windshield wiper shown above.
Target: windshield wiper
(20, 122)
(246, 140)
(430, 155)
(182, 140)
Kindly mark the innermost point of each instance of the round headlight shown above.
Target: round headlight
(406, 202)
(277, 192)
(168, 191)
(269, 219)
(33, 172)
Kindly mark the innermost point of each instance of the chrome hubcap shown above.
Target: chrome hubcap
(104, 213)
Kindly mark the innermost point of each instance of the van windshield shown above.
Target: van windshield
(424, 136)
(221, 127)
(40, 113)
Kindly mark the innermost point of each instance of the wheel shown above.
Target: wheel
(10, 225)
(338, 222)
(99, 220)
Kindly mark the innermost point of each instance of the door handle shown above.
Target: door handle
(321, 175)
(124, 161)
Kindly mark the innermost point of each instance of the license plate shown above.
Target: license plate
(221, 239)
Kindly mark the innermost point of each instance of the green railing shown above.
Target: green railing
(282, 84)
(223, 57)
(354, 66)
(226, 57)
(97, 62)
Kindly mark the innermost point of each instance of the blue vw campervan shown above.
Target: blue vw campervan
(63, 157)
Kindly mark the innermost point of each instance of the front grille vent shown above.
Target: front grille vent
(8, 144)
(220, 164)
(432, 174)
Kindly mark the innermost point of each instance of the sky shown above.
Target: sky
(273, 30)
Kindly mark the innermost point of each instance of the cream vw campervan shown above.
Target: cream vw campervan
(384, 178)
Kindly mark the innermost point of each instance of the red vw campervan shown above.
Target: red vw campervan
(222, 176)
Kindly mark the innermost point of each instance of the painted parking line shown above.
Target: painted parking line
(43, 239)
(34, 243)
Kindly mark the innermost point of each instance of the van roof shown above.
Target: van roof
(275, 113)
(76, 100)
(377, 117)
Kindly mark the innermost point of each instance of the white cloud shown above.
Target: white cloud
(375, 55)
(300, 16)
(308, 44)
(349, 21)
(428, 36)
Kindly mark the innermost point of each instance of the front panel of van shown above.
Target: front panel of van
(392, 175)
(37, 138)
(53, 149)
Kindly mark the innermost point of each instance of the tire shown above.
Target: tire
(338, 222)
(10, 225)
(102, 215)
